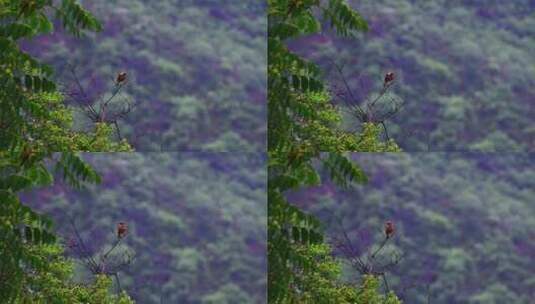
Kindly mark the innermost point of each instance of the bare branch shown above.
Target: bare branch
(368, 112)
(103, 114)
(108, 263)
(371, 265)
(351, 102)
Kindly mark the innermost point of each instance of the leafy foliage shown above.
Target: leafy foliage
(34, 124)
(51, 283)
(321, 282)
(304, 128)
(25, 233)
(32, 111)
(300, 112)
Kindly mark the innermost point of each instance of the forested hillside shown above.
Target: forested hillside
(196, 70)
(196, 223)
(464, 70)
(464, 223)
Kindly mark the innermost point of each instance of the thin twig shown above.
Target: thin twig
(380, 247)
(386, 283)
(119, 289)
(84, 251)
(353, 105)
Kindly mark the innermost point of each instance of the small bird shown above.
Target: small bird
(121, 78)
(389, 77)
(122, 230)
(389, 229)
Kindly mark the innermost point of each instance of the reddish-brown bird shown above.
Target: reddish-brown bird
(121, 77)
(389, 77)
(122, 230)
(389, 229)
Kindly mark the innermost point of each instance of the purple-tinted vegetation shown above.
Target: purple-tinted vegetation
(464, 222)
(196, 70)
(197, 228)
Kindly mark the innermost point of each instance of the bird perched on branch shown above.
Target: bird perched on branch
(389, 229)
(389, 78)
(122, 230)
(121, 78)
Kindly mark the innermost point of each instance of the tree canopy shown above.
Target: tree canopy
(35, 123)
(303, 128)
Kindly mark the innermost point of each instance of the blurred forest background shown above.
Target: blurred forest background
(196, 223)
(464, 223)
(196, 70)
(464, 70)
